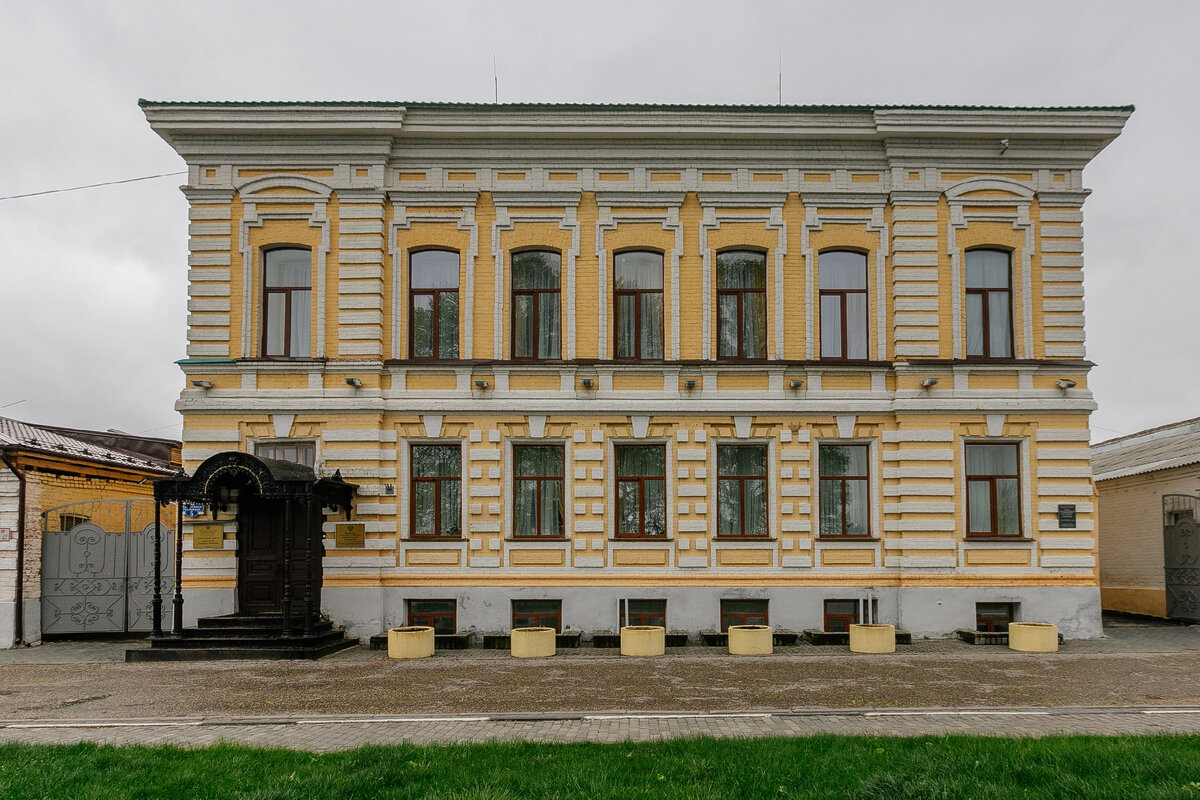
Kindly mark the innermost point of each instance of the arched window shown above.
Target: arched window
(989, 304)
(536, 305)
(287, 303)
(638, 305)
(741, 304)
(843, 286)
(433, 304)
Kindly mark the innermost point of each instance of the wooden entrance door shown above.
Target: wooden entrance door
(262, 528)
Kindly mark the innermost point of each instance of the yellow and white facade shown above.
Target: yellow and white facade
(911, 192)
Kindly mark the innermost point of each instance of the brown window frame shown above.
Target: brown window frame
(286, 291)
(636, 294)
(985, 302)
(413, 292)
(990, 479)
(534, 310)
(849, 619)
(539, 480)
(640, 480)
(741, 481)
(437, 481)
(741, 310)
(842, 294)
(430, 617)
(540, 618)
(305, 446)
(842, 480)
(630, 617)
(987, 623)
(728, 617)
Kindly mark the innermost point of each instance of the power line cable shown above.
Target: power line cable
(93, 185)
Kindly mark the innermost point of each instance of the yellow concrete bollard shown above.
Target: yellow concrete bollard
(643, 640)
(531, 642)
(414, 641)
(872, 638)
(1033, 637)
(750, 640)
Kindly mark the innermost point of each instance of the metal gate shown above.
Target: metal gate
(98, 566)
(1181, 555)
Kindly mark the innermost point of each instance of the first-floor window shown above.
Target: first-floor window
(993, 490)
(743, 612)
(537, 614)
(841, 614)
(294, 452)
(994, 617)
(436, 490)
(644, 612)
(537, 490)
(742, 490)
(845, 496)
(641, 490)
(438, 614)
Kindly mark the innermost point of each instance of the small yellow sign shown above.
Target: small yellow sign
(208, 535)
(351, 535)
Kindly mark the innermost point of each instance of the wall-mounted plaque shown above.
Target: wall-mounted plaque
(208, 535)
(1066, 515)
(351, 535)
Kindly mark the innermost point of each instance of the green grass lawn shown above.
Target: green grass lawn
(863, 768)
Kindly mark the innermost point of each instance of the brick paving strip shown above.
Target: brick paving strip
(330, 733)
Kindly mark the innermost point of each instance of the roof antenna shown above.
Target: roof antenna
(495, 81)
(781, 76)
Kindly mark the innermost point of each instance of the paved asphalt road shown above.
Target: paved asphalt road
(1137, 679)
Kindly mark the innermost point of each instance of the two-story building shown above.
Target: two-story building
(684, 365)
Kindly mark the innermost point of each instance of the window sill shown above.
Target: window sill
(997, 539)
(436, 539)
(536, 539)
(662, 538)
(847, 539)
(728, 538)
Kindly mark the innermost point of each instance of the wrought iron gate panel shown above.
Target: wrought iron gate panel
(98, 566)
(1181, 555)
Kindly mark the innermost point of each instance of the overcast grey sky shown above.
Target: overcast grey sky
(93, 284)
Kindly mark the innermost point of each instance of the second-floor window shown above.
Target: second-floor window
(537, 490)
(536, 304)
(843, 286)
(742, 490)
(436, 490)
(641, 490)
(741, 304)
(989, 304)
(433, 304)
(638, 301)
(287, 303)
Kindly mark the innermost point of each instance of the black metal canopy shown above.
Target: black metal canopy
(266, 477)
